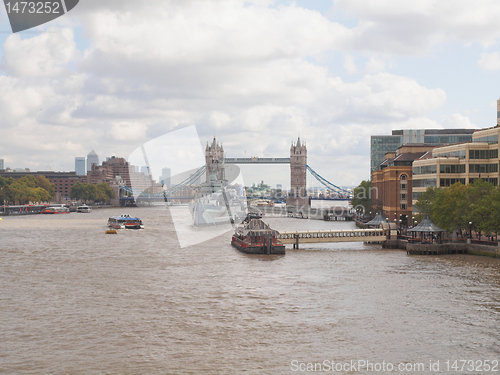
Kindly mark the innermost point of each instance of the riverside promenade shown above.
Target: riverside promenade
(440, 247)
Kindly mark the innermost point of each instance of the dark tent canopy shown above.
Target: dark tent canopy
(426, 225)
(426, 231)
(377, 220)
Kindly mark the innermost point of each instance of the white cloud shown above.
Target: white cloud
(220, 32)
(375, 65)
(458, 121)
(350, 64)
(489, 61)
(413, 28)
(44, 55)
(240, 70)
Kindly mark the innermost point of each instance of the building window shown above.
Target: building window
(403, 197)
(427, 182)
(425, 169)
(403, 206)
(445, 182)
(452, 168)
(402, 182)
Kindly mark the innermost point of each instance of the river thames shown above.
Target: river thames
(74, 300)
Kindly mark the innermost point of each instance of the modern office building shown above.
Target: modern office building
(381, 144)
(166, 177)
(92, 159)
(463, 162)
(408, 172)
(80, 166)
(1, 164)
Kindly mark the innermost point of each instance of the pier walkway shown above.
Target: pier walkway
(324, 236)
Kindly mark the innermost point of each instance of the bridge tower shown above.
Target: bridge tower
(214, 160)
(298, 192)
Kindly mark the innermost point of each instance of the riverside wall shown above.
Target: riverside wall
(443, 248)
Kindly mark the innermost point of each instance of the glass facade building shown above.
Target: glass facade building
(381, 144)
(464, 163)
(92, 159)
(80, 166)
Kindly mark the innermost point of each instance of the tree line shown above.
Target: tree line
(34, 189)
(363, 199)
(453, 208)
(102, 193)
(38, 189)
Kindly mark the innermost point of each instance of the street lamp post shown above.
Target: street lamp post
(470, 229)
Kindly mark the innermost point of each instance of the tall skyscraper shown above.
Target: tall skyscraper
(1, 164)
(166, 177)
(80, 166)
(92, 159)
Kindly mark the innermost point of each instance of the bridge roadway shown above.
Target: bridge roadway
(256, 160)
(323, 236)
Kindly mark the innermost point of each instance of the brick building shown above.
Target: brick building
(392, 183)
(63, 181)
(118, 168)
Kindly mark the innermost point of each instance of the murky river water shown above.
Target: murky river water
(75, 300)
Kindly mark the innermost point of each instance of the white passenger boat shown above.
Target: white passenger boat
(59, 209)
(125, 222)
(84, 209)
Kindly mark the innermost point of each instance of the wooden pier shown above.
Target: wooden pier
(21, 210)
(330, 236)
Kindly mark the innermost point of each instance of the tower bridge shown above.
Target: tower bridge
(215, 173)
(257, 160)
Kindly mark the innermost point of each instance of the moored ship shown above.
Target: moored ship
(83, 209)
(256, 237)
(217, 201)
(218, 208)
(125, 222)
(56, 209)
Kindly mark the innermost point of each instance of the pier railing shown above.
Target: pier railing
(323, 236)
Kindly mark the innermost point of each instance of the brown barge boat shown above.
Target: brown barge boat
(256, 237)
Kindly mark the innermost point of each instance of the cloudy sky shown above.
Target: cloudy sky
(112, 75)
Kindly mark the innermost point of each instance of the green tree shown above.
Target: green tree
(364, 198)
(104, 193)
(26, 190)
(45, 184)
(454, 207)
(77, 190)
(89, 192)
(481, 197)
(450, 209)
(5, 181)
